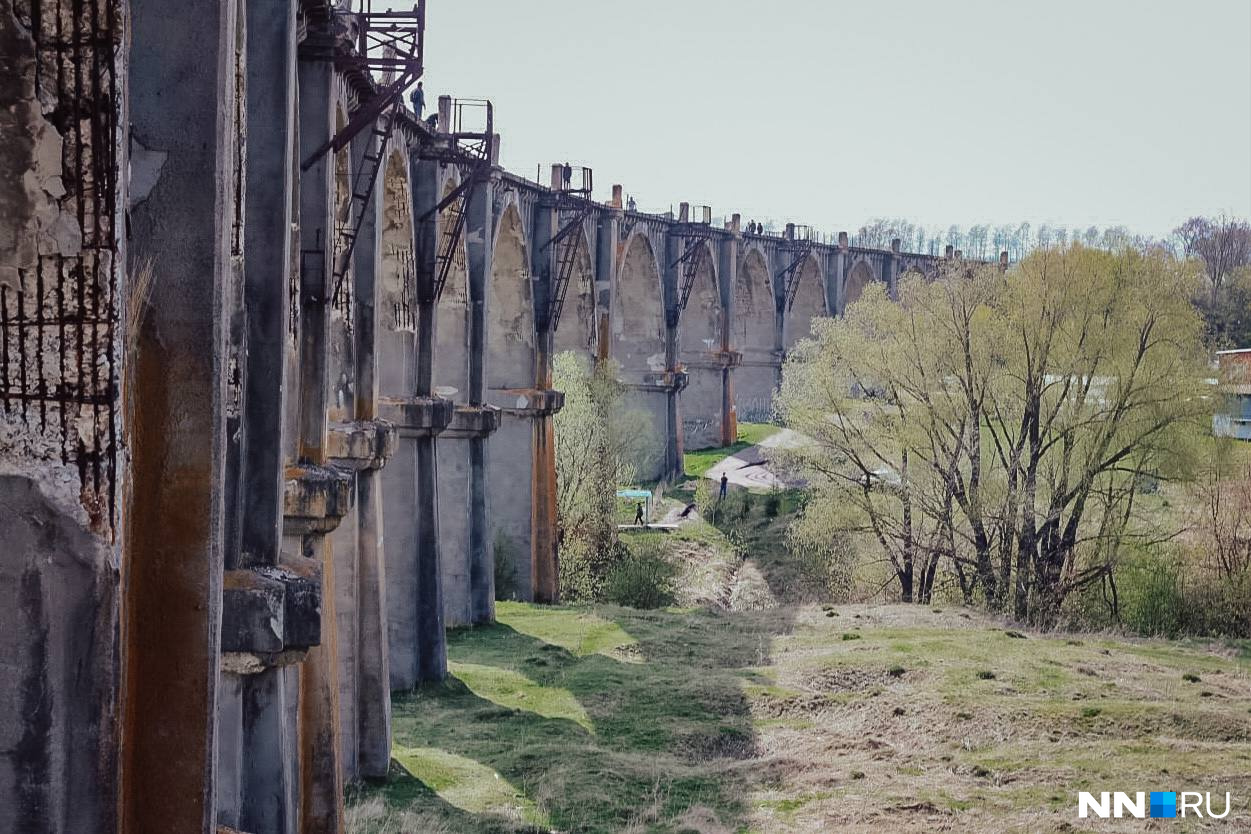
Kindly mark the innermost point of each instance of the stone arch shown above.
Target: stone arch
(576, 329)
(859, 277)
(808, 302)
(754, 305)
(451, 354)
(639, 324)
(510, 307)
(699, 328)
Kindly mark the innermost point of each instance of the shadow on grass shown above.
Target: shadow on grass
(594, 720)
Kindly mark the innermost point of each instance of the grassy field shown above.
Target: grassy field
(749, 434)
(805, 719)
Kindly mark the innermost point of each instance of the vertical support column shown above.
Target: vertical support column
(606, 243)
(892, 269)
(373, 690)
(263, 757)
(727, 272)
(431, 641)
(478, 251)
(674, 378)
(181, 104)
(321, 780)
(840, 274)
(545, 572)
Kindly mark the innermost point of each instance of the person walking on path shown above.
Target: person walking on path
(638, 515)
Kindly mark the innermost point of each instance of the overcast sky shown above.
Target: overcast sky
(1134, 112)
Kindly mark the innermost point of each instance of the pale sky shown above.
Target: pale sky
(828, 112)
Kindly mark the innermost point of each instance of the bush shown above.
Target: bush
(773, 504)
(643, 578)
(505, 555)
(584, 568)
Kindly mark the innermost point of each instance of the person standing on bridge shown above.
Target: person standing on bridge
(419, 100)
(725, 482)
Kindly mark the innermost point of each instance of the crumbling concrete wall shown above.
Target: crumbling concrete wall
(62, 461)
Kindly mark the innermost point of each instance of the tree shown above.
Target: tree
(1001, 424)
(1222, 243)
(594, 434)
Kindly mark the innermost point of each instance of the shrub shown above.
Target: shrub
(642, 578)
(584, 568)
(773, 503)
(505, 553)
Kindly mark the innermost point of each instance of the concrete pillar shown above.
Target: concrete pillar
(182, 81)
(840, 275)
(257, 758)
(431, 645)
(607, 242)
(727, 274)
(892, 269)
(545, 581)
(484, 419)
(674, 377)
(372, 707)
(321, 779)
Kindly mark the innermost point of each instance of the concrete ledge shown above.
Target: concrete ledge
(315, 499)
(716, 360)
(269, 612)
(532, 402)
(471, 421)
(417, 416)
(668, 382)
(363, 444)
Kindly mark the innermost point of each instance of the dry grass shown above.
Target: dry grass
(768, 721)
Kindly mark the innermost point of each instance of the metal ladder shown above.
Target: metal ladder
(363, 184)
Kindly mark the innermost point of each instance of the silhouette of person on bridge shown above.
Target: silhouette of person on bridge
(566, 175)
(418, 98)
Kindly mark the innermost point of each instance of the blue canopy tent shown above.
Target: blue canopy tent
(644, 495)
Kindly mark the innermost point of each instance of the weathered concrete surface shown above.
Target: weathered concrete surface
(59, 656)
(639, 343)
(182, 82)
(700, 342)
(808, 303)
(510, 373)
(753, 333)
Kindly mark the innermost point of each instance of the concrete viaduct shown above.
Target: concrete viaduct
(272, 407)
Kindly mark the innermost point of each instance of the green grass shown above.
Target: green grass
(749, 434)
(603, 719)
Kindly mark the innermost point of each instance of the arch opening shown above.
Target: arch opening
(451, 355)
(860, 276)
(510, 332)
(576, 329)
(639, 329)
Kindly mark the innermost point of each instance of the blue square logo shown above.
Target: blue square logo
(1163, 804)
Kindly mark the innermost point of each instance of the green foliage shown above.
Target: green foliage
(999, 426)
(642, 578)
(595, 438)
(506, 554)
